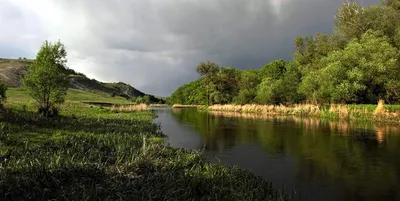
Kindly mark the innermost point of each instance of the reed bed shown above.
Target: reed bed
(129, 108)
(186, 106)
(159, 105)
(306, 109)
(380, 112)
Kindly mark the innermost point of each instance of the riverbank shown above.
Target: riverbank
(93, 153)
(378, 113)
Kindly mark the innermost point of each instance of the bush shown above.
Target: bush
(3, 95)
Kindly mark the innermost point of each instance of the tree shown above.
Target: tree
(274, 69)
(349, 20)
(3, 94)
(361, 73)
(46, 81)
(139, 100)
(395, 4)
(146, 99)
(248, 83)
(191, 93)
(225, 85)
(208, 70)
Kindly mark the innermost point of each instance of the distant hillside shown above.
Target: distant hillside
(11, 71)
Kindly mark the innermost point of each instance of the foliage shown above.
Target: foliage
(207, 68)
(358, 63)
(274, 70)
(46, 81)
(360, 72)
(146, 99)
(3, 94)
(190, 94)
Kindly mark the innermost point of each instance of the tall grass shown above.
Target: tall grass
(92, 153)
(306, 109)
(185, 106)
(380, 112)
(129, 108)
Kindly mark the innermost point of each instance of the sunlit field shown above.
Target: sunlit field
(98, 153)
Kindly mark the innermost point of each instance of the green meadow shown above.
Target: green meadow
(91, 153)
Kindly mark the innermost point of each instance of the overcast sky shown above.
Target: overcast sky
(155, 45)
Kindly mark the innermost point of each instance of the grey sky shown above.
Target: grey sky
(155, 45)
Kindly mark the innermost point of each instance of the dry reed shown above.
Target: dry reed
(380, 109)
(129, 108)
(335, 111)
(341, 110)
(186, 106)
(306, 109)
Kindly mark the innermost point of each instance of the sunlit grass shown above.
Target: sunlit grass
(19, 94)
(129, 108)
(92, 153)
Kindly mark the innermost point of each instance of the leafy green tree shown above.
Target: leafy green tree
(46, 81)
(146, 99)
(225, 85)
(357, 74)
(274, 69)
(350, 21)
(267, 91)
(248, 83)
(208, 70)
(3, 94)
(139, 100)
(309, 50)
(395, 4)
(191, 93)
(245, 96)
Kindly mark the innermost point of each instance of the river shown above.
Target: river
(310, 159)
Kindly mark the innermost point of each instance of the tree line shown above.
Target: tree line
(359, 62)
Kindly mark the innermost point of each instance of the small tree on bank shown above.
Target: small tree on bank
(146, 99)
(46, 81)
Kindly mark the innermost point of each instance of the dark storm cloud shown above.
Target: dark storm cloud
(155, 45)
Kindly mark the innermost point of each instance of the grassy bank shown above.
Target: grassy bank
(93, 153)
(381, 112)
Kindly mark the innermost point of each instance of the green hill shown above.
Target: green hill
(11, 71)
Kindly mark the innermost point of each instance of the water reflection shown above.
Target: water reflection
(321, 159)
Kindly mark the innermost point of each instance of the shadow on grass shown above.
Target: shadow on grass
(83, 158)
(32, 122)
(168, 178)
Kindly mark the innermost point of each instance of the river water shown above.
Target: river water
(310, 159)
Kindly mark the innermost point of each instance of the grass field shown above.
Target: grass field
(92, 153)
(20, 95)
